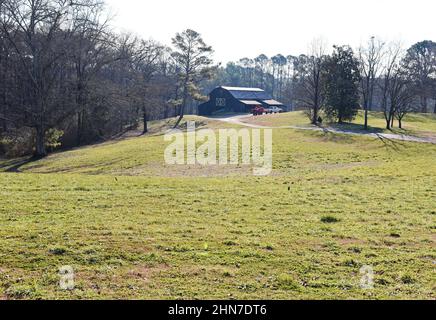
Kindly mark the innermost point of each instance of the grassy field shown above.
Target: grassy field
(133, 227)
(414, 124)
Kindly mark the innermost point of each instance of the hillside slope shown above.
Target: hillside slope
(133, 227)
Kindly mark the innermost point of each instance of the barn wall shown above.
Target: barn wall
(220, 98)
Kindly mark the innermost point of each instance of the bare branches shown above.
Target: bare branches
(370, 59)
(309, 80)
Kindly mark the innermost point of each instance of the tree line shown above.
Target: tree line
(67, 78)
(377, 75)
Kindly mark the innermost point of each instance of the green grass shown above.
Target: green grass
(413, 124)
(132, 227)
(298, 118)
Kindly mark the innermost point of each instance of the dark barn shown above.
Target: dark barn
(239, 100)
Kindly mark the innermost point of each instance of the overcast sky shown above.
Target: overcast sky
(247, 28)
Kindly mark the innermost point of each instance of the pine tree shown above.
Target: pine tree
(192, 56)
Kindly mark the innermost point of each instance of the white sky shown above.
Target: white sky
(247, 28)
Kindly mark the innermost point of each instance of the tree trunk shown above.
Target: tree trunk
(79, 128)
(166, 113)
(181, 116)
(366, 118)
(424, 104)
(183, 106)
(315, 116)
(388, 122)
(316, 102)
(434, 111)
(40, 150)
(145, 119)
(400, 123)
(366, 99)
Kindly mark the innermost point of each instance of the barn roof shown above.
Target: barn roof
(248, 93)
(272, 102)
(242, 89)
(251, 102)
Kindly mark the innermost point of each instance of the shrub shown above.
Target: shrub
(52, 138)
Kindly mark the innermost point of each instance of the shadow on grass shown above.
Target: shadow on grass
(391, 144)
(359, 129)
(354, 127)
(226, 115)
(13, 166)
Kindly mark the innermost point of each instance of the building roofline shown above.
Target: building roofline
(242, 89)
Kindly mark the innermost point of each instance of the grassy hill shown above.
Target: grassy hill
(133, 227)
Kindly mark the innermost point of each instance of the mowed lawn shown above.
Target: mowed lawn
(133, 227)
(413, 124)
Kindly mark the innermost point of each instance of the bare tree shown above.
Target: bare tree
(40, 44)
(45, 36)
(92, 48)
(370, 58)
(145, 63)
(309, 79)
(390, 69)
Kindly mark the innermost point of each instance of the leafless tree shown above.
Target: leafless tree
(309, 78)
(41, 34)
(92, 48)
(390, 70)
(370, 58)
(145, 64)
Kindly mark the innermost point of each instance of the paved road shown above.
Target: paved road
(239, 120)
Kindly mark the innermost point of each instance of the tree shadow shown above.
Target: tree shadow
(392, 144)
(355, 127)
(13, 166)
(226, 115)
(332, 129)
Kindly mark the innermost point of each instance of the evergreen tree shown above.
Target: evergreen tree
(341, 84)
(193, 57)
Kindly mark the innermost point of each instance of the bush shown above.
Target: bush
(52, 138)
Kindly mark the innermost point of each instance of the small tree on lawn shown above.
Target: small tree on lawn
(341, 84)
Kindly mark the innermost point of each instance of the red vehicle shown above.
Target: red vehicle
(258, 111)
